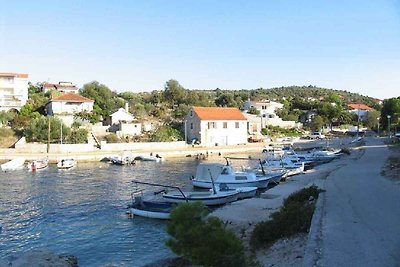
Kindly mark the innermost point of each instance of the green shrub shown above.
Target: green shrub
(112, 138)
(205, 241)
(78, 136)
(294, 217)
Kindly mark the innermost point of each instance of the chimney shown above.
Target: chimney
(127, 107)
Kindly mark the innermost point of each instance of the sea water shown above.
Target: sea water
(83, 212)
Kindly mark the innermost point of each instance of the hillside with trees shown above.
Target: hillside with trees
(171, 104)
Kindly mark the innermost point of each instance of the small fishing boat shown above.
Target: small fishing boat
(66, 164)
(156, 158)
(13, 165)
(150, 208)
(243, 192)
(208, 198)
(39, 164)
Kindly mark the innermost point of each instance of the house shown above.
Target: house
(69, 103)
(267, 116)
(13, 90)
(123, 123)
(215, 126)
(360, 109)
(64, 87)
(266, 108)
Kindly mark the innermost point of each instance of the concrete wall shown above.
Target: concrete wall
(137, 146)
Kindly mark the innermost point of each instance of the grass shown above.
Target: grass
(294, 217)
(7, 137)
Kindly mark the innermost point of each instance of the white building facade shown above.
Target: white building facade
(69, 103)
(215, 126)
(266, 108)
(13, 90)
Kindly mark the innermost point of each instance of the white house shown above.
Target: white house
(69, 103)
(214, 126)
(360, 109)
(13, 90)
(265, 107)
(64, 87)
(123, 123)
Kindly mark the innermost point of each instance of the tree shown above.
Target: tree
(37, 129)
(317, 123)
(372, 118)
(166, 133)
(174, 93)
(6, 117)
(390, 107)
(104, 99)
(226, 100)
(254, 111)
(78, 136)
(205, 241)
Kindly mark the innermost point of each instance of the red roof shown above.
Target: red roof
(52, 85)
(18, 75)
(359, 106)
(212, 113)
(71, 97)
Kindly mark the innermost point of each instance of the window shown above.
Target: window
(212, 125)
(191, 113)
(236, 125)
(191, 126)
(225, 125)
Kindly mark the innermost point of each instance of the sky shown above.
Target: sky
(139, 45)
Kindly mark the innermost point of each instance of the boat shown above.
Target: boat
(121, 161)
(243, 192)
(66, 164)
(283, 163)
(156, 158)
(230, 177)
(150, 208)
(209, 198)
(13, 165)
(38, 164)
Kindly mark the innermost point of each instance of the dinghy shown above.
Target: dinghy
(13, 165)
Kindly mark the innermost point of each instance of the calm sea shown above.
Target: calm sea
(83, 212)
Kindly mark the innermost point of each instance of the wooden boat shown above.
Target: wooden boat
(13, 165)
(39, 164)
(209, 198)
(150, 208)
(66, 164)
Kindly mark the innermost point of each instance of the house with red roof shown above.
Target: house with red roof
(360, 109)
(64, 87)
(216, 126)
(69, 103)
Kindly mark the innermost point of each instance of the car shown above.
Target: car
(316, 135)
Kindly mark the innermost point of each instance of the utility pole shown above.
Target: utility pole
(48, 135)
(388, 117)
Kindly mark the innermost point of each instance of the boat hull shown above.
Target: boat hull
(207, 184)
(154, 210)
(206, 198)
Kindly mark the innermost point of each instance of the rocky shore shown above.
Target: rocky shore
(42, 258)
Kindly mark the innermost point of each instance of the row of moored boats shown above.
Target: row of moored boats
(225, 184)
(36, 165)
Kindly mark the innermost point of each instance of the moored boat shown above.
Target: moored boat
(13, 165)
(39, 164)
(209, 198)
(156, 158)
(66, 164)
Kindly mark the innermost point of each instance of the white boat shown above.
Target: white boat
(244, 192)
(156, 158)
(283, 163)
(66, 164)
(233, 179)
(39, 164)
(119, 160)
(13, 165)
(209, 198)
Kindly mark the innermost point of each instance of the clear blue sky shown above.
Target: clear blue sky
(139, 45)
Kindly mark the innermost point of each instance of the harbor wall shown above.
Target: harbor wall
(142, 146)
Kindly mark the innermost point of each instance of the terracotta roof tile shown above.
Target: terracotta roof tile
(18, 75)
(359, 106)
(72, 97)
(218, 113)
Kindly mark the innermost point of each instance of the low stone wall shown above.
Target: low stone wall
(139, 146)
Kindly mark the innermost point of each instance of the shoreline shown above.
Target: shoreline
(189, 151)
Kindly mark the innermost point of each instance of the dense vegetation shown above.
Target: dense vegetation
(294, 217)
(170, 105)
(203, 240)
